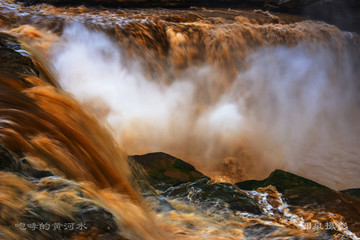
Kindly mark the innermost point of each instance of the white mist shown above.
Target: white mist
(292, 108)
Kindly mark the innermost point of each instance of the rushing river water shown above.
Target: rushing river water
(236, 93)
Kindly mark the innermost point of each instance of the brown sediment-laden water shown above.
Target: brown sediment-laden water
(237, 93)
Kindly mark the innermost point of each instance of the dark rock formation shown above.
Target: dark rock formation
(180, 180)
(297, 191)
(9, 163)
(258, 231)
(177, 179)
(213, 195)
(282, 180)
(304, 194)
(14, 59)
(345, 14)
(10, 58)
(42, 194)
(164, 168)
(354, 192)
(9, 41)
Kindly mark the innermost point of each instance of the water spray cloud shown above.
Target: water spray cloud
(288, 108)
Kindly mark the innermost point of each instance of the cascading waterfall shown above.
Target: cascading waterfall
(264, 116)
(236, 93)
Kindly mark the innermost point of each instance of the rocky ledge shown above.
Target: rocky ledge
(301, 195)
(342, 13)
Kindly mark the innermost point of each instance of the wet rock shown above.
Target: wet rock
(96, 217)
(32, 210)
(63, 212)
(53, 207)
(304, 195)
(262, 231)
(11, 59)
(16, 62)
(28, 170)
(159, 203)
(282, 180)
(217, 196)
(176, 179)
(258, 231)
(321, 201)
(9, 41)
(354, 192)
(344, 14)
(296, 190)
(54, 191)
(166, 169)
(10, 163)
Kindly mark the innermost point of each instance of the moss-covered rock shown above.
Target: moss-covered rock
(166, 169)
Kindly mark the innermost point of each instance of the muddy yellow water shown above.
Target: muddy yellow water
(236, 93)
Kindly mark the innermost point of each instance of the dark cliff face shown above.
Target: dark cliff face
(343, 13)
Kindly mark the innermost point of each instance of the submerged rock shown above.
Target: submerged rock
(39, 206)
(10, 163)
(48, 206)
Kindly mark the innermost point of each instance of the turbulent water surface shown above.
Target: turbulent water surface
(236, 93)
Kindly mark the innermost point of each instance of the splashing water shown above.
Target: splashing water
(178, 74)
(290, 107)
(237, 95)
